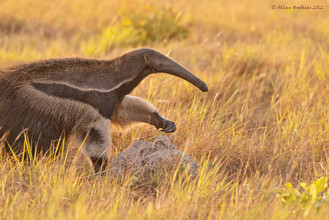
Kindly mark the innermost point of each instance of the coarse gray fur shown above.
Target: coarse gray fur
(52, 99)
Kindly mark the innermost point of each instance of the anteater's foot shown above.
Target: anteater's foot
(163, 124)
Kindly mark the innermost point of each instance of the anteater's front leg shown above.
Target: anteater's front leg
(96, 139)
(134, 109)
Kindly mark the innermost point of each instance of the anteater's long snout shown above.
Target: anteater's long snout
(190, 77)
(176, 69)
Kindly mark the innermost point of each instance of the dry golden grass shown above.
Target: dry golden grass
(264, 121)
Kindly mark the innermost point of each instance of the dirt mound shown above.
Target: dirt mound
(144, 159)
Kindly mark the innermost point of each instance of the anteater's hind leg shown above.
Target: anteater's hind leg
(96, 139)
(134, 109)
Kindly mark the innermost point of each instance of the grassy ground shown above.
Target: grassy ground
(263, 123)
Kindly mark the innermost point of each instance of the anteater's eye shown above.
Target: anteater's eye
(160, 65)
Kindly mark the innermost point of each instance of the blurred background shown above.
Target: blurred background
(38, 29)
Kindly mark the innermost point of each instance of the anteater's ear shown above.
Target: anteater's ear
(146, 58)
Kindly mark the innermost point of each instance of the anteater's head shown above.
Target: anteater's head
(159, 63)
